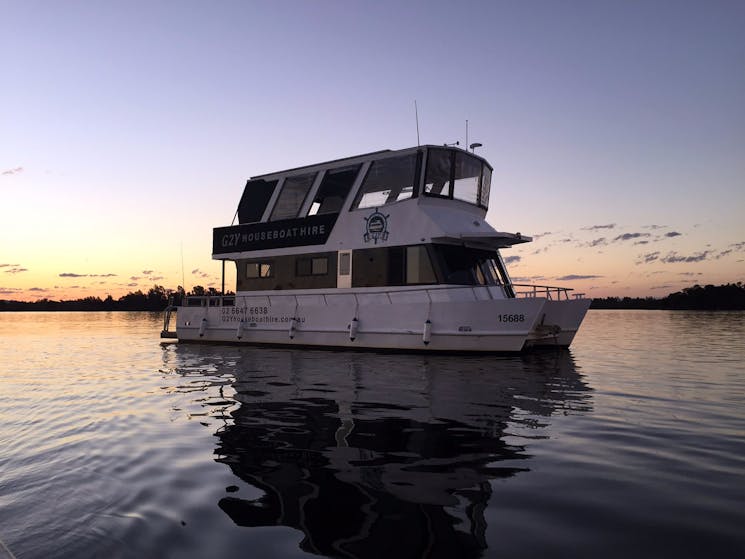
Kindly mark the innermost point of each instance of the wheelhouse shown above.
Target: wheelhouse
(410, 217)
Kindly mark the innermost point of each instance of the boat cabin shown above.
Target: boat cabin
(408, 217)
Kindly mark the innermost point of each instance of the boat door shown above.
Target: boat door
(344, 269)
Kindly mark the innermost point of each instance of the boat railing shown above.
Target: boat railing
(521, 291)
(552, 293)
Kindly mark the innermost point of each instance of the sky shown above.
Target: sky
(616, 129)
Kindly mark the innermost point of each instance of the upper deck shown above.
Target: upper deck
(411, 196)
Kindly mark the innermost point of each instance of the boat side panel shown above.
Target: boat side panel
(493, 325)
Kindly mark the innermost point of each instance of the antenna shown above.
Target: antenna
(466, 131)
(416, 114)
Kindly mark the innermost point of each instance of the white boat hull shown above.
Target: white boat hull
(447, 320)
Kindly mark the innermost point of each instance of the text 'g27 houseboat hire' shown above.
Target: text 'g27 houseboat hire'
(388, 250)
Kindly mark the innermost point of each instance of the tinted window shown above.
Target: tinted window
(333, 190)
(485, 187)
(418, 266)
(467, 178)
(292, 197)
(255, 198)
(388, 180)
(466, 266)
(437, 180)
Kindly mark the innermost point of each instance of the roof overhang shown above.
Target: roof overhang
(489, 240)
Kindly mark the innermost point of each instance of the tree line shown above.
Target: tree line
(157, 299)
(710, 297)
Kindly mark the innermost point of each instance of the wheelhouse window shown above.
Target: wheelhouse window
(458, 175)
(333, 190)
(485, 187)
(467, 178)
(291, 198)
(388, 180)
(255, 198)
(438, 179)
(259, 270)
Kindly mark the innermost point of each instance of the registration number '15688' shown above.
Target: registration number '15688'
(511, 317)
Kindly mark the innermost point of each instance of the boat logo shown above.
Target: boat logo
(376, 227)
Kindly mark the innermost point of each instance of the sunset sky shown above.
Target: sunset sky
(128, 129)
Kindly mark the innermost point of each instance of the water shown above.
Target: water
(630, 444)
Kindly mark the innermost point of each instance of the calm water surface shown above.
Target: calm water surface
(114, 445)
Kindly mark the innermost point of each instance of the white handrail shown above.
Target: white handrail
(532, 291)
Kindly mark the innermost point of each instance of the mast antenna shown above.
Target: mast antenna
(416, 115)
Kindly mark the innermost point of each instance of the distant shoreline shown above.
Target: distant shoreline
(729, 297)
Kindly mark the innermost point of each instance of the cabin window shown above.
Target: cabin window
(467, 266)
(255, 199)
(291, 198)
(419, 266)
(387, 181)
(467, 178)
(333, 190)
(438, 178)
(379, 267)
(318, 266)
(259, 270)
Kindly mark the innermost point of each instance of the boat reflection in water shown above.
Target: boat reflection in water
(372, 455)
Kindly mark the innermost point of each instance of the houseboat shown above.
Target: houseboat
(388, 250)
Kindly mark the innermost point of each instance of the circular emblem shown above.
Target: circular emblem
(376, 227)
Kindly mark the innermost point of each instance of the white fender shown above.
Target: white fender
(427, 334)
(353, 326)
(202, 327)
(293, 326)
(239, 332)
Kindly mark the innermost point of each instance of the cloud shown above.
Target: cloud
(9, 265)
(9, 290)
(528, 279)
(13, 171)
(508, 260)
(629, 236)
(544, 234)
(673, 257)
(671, 234)
(596, 227)
(15, 270)
(641, 243)
(598, 242)
(572, 277)
(649, 257)
(134, 278)
(44, 289)
(662, 287)
(654, 226)
(74, 275)
(147, 272)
